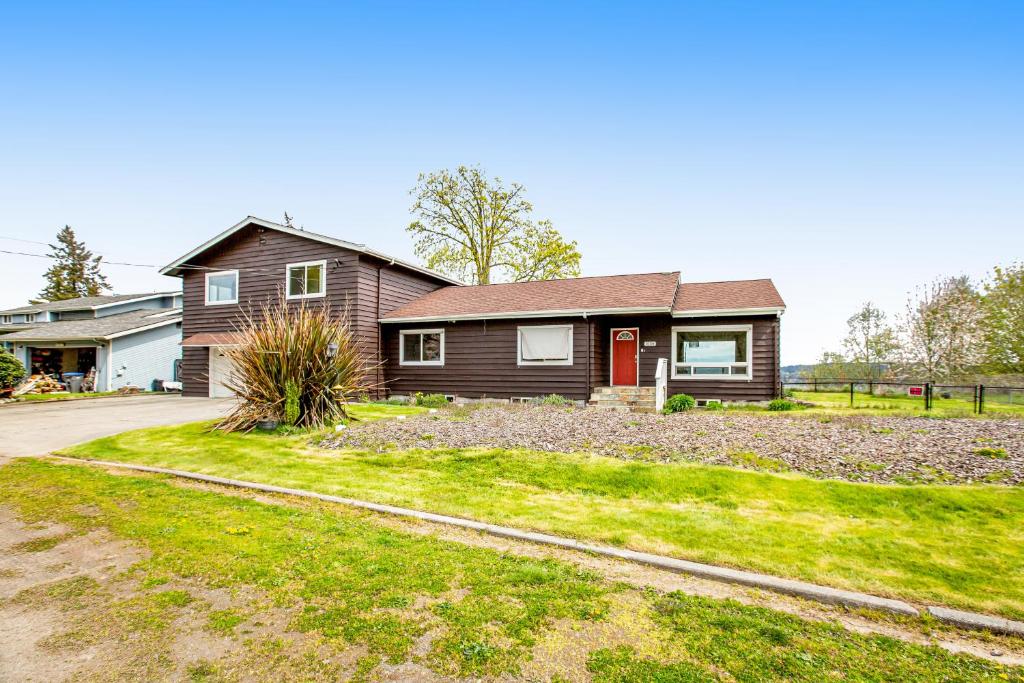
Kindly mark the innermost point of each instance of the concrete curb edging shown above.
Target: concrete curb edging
(800, 589)
(978, 622)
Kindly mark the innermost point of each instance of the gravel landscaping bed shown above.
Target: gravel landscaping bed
(855, 448)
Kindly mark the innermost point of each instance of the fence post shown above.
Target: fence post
(815, 385)
(974, 406)
(851, 394)
(927, 395)
(981, 399)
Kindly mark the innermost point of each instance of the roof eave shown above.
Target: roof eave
(561, 313)
(92, 337)
(711, 312)
(144, 297)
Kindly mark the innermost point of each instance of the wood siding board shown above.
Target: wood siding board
(261, 259)
(480, 359)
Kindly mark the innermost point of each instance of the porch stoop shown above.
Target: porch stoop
(635, 399)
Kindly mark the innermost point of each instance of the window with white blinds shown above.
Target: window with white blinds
(545, 345)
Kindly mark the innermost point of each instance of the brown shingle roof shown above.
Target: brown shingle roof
(654, 291)
(730, 295)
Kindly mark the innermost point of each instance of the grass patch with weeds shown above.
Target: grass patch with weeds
(42, 544)
(756, 644)
(355, 582)
(754, 461)
(936, 544)
(341, 569)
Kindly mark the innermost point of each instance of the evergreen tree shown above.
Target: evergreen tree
(75, 271)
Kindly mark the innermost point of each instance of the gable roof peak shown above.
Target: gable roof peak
(174, 268)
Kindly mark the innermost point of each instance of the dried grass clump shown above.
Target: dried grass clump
(294, 363)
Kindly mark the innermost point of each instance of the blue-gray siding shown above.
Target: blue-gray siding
(140, 358)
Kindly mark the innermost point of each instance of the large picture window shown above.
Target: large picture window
(545, 345)
(222, 287)
(421, 347)
(711, 352)
(307, 280)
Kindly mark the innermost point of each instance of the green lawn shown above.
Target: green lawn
(949, 545)
(350, 585)
(64, 396)
(839, 401)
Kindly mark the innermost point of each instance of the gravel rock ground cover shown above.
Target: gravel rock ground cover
(855, 448)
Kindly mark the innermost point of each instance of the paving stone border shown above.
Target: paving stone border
(979, 622)
(766, 582)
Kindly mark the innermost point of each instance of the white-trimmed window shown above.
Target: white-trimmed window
(545, 345)
(712, 352)
(222, 287)
(6, 319)
(421, 347)
(30, 317)
(307, 280)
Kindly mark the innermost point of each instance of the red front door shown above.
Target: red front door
(625, 347)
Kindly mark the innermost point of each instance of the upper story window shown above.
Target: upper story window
(712, 352)
(30, 317)
(421, 347)
(222, 287)
(307, 280)
(545, 345)
(5, 319)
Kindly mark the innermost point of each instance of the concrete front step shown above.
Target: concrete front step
(636, 399)
(606, 398)
(624, 390)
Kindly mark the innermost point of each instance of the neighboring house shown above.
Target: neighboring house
(424, 332)
(129, 339)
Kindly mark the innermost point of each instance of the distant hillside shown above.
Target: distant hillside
(793, 372)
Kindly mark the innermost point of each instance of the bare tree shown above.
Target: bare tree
(941, 330)
(870, 342)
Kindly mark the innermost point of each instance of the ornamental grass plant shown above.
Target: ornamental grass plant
(295, 363)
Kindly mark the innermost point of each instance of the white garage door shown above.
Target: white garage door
(221, 368)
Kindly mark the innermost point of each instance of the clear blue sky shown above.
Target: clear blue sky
(848, 150)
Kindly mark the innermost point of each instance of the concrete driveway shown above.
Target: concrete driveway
(39, 428)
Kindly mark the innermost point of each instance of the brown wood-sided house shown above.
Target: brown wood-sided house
(423, 332)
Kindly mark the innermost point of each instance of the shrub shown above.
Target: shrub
(299, 361)
(993, 453)
(11, 370)
(715, 405)
(431, 400)
(677, 403)
(554, 400)
(292, 396)
(781, 404)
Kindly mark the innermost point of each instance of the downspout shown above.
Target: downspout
(380, 341)
(590, 350)
(110, 365)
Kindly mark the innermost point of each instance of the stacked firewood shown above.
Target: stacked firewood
(39, 384)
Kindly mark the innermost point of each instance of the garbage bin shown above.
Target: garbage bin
(74, 381)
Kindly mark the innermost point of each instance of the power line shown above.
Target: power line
(184, 266)
(18, 239)
(110, 263)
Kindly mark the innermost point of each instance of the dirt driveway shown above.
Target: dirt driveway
(38, 428)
